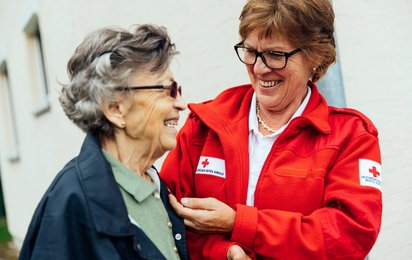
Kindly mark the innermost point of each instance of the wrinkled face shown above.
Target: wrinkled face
(278, 89)
(153, 115)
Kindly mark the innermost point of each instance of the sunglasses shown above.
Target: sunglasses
(174, 88)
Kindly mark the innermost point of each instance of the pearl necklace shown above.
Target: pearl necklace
(264, 125)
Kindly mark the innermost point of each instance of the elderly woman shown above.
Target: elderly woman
(108, 202)
(269, 169)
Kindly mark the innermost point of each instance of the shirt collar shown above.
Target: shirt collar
(132, 183)
(152, 172)
(253, 122)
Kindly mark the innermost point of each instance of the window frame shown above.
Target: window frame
(14, 155)
(33, 32)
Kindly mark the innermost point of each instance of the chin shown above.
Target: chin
(169, 144)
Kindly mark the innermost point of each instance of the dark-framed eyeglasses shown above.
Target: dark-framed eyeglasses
(174, 88)
(272, 59)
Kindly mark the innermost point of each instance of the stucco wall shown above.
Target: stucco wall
(373, 37)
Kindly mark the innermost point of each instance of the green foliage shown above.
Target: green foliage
(4, 233)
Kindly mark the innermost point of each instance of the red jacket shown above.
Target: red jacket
(318, 195)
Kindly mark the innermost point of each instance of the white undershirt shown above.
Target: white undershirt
(260, 145)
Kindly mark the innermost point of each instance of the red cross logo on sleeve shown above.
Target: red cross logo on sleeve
(374, 172)
(205, 163)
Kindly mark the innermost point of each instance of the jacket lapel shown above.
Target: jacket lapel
(105, 202)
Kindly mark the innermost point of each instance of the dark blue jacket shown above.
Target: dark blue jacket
(83, 216)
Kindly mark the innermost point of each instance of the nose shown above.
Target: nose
(179, 104)
(260, 67)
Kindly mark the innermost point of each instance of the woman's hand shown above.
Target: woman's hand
(235, 252)
(205, 215)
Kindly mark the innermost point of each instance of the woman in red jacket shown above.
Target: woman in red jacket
(268, 170)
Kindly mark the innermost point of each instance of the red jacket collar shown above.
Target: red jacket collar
(231, 107)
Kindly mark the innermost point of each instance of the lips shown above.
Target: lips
(171, 123)
(269, 83)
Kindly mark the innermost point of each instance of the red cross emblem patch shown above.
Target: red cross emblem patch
(370, 173)
(211, 166)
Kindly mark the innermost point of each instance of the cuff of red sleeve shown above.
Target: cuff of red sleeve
(219, 249)
(245, 225)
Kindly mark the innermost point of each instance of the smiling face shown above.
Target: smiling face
(153, 114)
(278, 90)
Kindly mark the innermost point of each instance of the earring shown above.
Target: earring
(314, 69)
(123, 123)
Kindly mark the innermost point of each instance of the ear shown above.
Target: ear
(115, 113)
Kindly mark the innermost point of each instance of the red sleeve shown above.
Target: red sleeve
(178, 174)
(212, 246)
(346, 227)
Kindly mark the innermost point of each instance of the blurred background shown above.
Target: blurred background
(37, 37)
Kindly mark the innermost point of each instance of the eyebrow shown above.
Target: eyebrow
(274, 48)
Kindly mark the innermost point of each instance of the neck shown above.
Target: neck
(136, 155)
(271, 120)
(265, 126)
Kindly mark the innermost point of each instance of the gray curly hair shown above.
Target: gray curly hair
(105, 59)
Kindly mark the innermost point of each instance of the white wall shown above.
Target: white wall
(376, 56)
(373, 37)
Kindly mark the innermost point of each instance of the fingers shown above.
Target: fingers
(235, 252)
(193, 226)
(241, 257)
(175, 204)
(184, 212)
(205, 215)
(200, 203)
(193, 203)
(187, 214)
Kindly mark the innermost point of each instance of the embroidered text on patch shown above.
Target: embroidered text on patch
(211, 166)
(370, 173)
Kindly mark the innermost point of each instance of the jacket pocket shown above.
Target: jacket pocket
(300, 173)
(295, 189)
(292, 172)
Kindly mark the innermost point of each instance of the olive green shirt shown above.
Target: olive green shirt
(145, 208)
